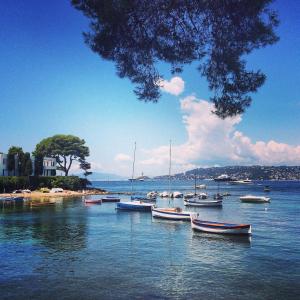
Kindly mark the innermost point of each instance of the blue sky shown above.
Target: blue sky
(51, 82)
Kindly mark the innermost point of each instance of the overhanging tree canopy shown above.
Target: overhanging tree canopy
(65, 148)
(136, 34)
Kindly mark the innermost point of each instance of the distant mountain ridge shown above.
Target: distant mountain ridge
(242, 172)
(103, 176)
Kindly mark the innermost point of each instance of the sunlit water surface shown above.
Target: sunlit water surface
(73, 251)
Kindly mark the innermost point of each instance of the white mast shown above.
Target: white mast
(170, 153)
(132, 177)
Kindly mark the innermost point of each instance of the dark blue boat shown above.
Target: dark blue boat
(12, 200)
(134, 205)
(110, 199)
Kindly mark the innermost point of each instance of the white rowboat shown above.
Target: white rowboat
(176, 214)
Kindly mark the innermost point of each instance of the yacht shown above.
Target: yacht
(223, 177)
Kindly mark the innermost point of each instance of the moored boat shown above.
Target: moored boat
(219, 228)
(12, 199)
(267, 188)
(110, 199)
(243, 181)
(190, 195)
(203, 203)
(176, 195)
(41, 204)
(92, 201)
(255, 199)
(202, 196)
(201, 186)
(218, 196)
(152, 194)
(226, 194)
(134, 205)
(164, 194)
(223, 177)
(175, 214)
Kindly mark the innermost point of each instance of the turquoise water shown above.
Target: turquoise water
(72, 251)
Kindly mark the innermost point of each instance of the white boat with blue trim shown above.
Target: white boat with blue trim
(203, 202)
(175, 214)
(220, 228)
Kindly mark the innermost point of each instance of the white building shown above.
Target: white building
(49, 166)
(3, 164)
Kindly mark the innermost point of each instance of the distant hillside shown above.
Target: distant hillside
(103, 176)
(242, 172)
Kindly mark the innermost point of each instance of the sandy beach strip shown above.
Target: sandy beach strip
(65, 193)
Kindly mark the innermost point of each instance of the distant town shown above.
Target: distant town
(241, 172)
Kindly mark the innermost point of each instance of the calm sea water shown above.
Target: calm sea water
(72, 251)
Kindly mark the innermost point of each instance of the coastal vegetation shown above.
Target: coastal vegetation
(18, 162)
(11, 183)
(217, 35)
(65, 149)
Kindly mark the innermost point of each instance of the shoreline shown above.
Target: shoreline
(65, 194)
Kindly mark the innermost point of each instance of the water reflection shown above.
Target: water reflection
(54, 227)
(224, 239)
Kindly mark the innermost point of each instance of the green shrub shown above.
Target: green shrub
(10, 183)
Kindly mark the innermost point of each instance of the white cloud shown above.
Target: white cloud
(175, 86)
(121, 157)
(211, 140)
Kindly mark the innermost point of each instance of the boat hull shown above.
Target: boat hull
(220, 228)
(170, 215)
(92, 201)
(134, 205)
(204, 203)
(110, 199)
(255, 200)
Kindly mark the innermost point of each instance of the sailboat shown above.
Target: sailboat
(176, 213)
(201, 199)
(135, 203)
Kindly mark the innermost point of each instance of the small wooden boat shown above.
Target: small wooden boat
(134, 205)
(175, 214)
(220, 228)
(255, 199)
(203, 203)
(41, 204)
(92, 201)
(110, 199)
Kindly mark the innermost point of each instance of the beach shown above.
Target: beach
(65, 194)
